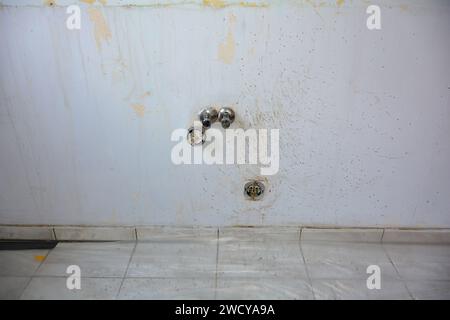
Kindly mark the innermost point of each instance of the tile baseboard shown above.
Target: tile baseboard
(95, 233)
(26, 233)
(416, 236)
(343, 235)
(282, 233)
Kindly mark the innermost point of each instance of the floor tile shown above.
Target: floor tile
(344, 260)
(261, 259)
(167, 289)
(429, 290)
(104, 259)
(414, 252)
(329, 270)
(185, 259)
(318, 251)
(357, 290)
(20, 262)
(420, 262)
(263, 289)
(43, 288)
(421, 270)
(12, 287)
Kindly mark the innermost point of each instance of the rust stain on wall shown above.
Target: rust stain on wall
(220, 4)
(101, 29)
(228, 47)
(139, 109)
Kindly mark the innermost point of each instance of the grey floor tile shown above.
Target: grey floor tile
(20, 262)
(329, 270)
(55, 288)
(261, 259)
(344, 260)
(263, 289)
(421, 270)
(357, 290)
(12, 287)
(318, 251)
(414, 252)
(420, 262)
(167, 289)
(184, 259)
(429, 290)
(104, 259)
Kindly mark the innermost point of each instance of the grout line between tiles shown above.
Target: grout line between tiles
(306, 265)
(217, 263)
(398, 272)
(126, 270)
(34, 274)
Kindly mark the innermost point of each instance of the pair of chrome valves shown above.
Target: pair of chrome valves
(210, 115)
(207, 117)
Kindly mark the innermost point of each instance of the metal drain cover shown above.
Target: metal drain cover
(254, 190)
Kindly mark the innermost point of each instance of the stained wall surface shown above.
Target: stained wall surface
(86, 116)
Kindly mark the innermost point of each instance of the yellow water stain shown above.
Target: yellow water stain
(39, 258)
(215, 3)
(340, 2)
(101, 29)
(88, 1)
(139, 109)
(220, 4)
(253, 5)
(228, 47)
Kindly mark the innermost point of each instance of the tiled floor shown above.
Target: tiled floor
(241, 266)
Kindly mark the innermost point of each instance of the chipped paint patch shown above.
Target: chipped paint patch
(101, 29)
(139, 109)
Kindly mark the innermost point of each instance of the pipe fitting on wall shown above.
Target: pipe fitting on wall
(207, 117)
(226, 117)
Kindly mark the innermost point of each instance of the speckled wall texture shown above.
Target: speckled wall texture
(86, 115)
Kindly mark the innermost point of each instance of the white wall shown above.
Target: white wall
(364, 116)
